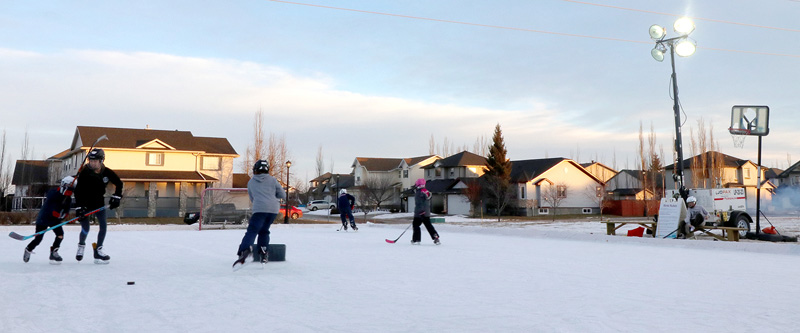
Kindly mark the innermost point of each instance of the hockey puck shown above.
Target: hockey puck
(130, 283)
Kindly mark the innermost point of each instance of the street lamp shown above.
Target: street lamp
(684, 47)
(286, 215)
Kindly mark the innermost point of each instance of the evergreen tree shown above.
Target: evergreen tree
(498, 172)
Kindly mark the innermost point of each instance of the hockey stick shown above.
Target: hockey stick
(17, 236)
(401, 235)
(72, 184)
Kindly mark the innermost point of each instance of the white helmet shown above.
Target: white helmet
(68, 184)
(691, 199)
(342, 191)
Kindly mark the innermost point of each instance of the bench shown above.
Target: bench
(728, 233)
(612, 226)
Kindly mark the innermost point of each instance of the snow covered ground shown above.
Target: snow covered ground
(564, 276)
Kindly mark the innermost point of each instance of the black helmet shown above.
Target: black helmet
(97, 154)
(261, 166)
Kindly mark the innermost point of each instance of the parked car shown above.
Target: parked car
(226, 212)
(294, 213)
(320, 204)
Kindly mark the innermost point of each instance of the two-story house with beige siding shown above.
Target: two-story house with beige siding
(399, 173)
(163, 172)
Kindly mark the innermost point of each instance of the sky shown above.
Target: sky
(539, 277)
(382, 78)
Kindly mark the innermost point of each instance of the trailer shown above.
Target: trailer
(727, 206)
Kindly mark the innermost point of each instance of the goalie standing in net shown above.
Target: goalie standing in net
(264, 192)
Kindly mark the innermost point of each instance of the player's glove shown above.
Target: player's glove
(114, 202)
(79, 211)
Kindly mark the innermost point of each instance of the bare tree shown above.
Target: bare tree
(474, 194)
(5, 178)
(598, 195)
(320, 162)
(258, 150)
(554, 195)
(378, 189)
(431, 146)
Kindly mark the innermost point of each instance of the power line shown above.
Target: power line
(525, 29)
(692, 17)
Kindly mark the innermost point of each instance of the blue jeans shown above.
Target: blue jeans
(259, 226)
(101, 221)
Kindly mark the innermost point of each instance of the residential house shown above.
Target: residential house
(397, 173)
(717, 170)
(31, 182)
(555, 186)
(627, 185)
(444, 181)
(600, 170)
(164, 172)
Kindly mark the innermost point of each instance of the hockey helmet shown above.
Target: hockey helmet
(691, 199)
(68, 184)
(97, 154)
(420, 183)
(261, 166)
(342, 191)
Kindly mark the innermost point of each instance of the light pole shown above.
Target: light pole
(684, 47)
(286, 216)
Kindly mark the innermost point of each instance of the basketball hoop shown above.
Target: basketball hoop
(738, 136)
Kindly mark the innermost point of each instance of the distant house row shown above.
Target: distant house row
(165, 171)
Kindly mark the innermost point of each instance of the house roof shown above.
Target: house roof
(463, 158)
(415, 160)
(140, 175)
(637, 174)
(727, 160)
(29, 172)
(322, 177)
(792, 169)
(772, 173)
(131, 138)
(525, 170)
(378, 163)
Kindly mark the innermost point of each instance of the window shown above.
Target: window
(438, 172)
(599, 191)
(746, 173)
(587, 211)
(562, 191)
(405, 173)
(522, 190)
(544, 211)
(155, 159)
(209, 162)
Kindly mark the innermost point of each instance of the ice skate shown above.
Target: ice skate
(264, 255)
(436, 240)
(353, 225)
(79, 255)
(99, 256)
(55, 259)
(239, 263)
(414, 242)
(27, 255)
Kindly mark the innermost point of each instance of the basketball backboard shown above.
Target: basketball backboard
(749, 120)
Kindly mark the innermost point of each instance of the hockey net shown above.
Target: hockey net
(224, 208)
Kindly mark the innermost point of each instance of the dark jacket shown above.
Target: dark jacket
(422, 203)
(92, 187)
(346, 203)
(55, 208)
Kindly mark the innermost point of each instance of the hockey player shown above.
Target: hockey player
(54, 210)
(89, 195)
(264, 192)
(422, 213)
(346, 203)
(695, 216)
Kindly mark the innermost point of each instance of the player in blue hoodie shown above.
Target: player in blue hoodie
(55, 208)
(264, 192)
(346, 202)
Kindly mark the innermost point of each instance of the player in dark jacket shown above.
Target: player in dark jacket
(346, 203)
(422, 213)
(54, 210)
(89, 195)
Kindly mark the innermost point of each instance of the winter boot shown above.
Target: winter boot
(55, 259)
(99, 256)
(27, 255)
(264, 255)
(436, 240)
(79, 255)
(243, 256)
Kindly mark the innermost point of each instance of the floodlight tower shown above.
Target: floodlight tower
(684, 47)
